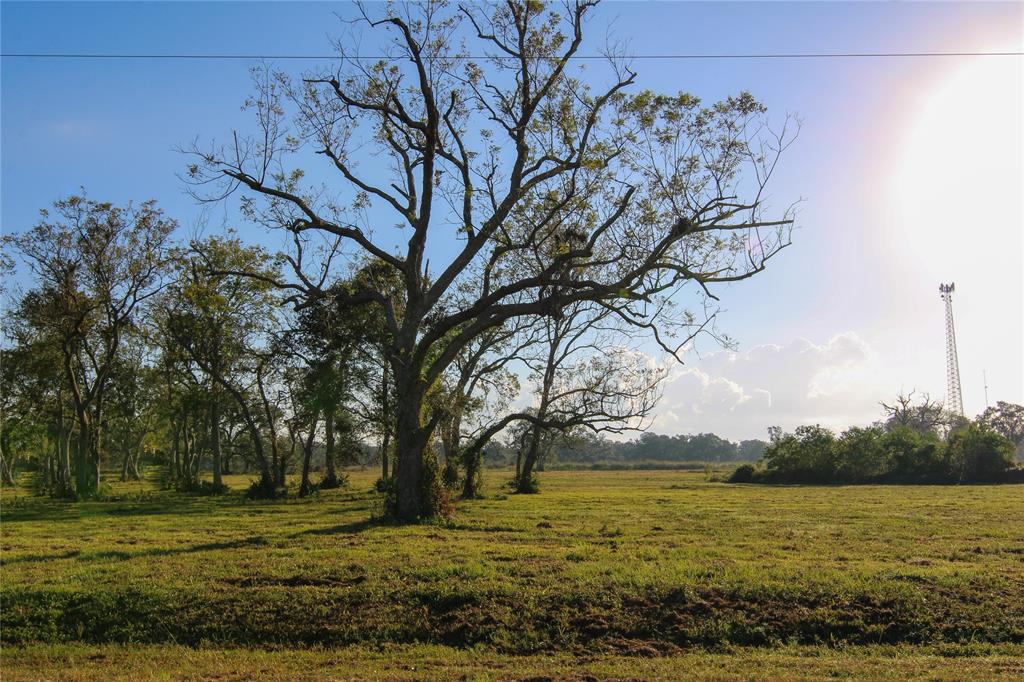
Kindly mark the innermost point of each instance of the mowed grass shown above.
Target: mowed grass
(104, 663)
(628, 574)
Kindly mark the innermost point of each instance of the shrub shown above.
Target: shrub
(529, 485)
(977, 454)
(333, 480)
(860, 455)
(743, 474)
(973, 454)
(913, 457)
(804, 456)
(208, 488)
(264, 489)
(450, 474)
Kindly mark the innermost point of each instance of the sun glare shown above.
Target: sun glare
(958, 170)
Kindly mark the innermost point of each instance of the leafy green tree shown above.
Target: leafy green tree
(132, 411)
(861, 456)
(808, 455)
(34, 411)
(220, 320)
(750, 450)
(977, 454)
(95, 265)
(915, 457)
(1006, 419)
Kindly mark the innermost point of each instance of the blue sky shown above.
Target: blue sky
(910, 171)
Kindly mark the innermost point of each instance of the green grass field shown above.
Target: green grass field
(615, 575)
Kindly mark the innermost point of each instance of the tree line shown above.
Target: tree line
(478, 213)
(917, 442)
(649, 448)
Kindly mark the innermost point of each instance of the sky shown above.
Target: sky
(909, 171)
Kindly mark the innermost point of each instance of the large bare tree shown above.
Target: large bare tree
(504, 167)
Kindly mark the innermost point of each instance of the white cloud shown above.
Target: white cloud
(739, 395)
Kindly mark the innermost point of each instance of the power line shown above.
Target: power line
(786, 55)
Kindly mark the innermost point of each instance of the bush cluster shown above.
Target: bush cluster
(813, 454)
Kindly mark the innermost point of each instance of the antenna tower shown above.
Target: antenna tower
(954, 398)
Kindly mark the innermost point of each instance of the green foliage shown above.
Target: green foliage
(808, 455)
(1007, 419)
(526, 485)
(450, 474)
(264, 488)
(43, 485)
(860, 455)
(743, 474)
(436, 497)
(915, 457)
(333, 481)
(977, 454)
(811, 454)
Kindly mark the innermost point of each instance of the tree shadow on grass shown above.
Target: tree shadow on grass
(121, 555)
(352, 528)
(73, 511)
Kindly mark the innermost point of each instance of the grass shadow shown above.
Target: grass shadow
(122, 555)
(353, 528)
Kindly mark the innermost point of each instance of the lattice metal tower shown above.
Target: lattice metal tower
(954, 398)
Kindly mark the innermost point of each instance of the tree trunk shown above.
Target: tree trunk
(51, 465)
(523, 484)
(266, 474)
(96, 445)
(6, 466)
(385, 454)
(277, 463)
(86, 483)
(523, 475)
(64, 436)
(293, 441)
(330, 471)
(125, 460)
(83, 480)
(186, 454)
(176, 451)
(451, 430)
(385, 439)
(307, 454)
(225, 462)
(472, 462)
(218, 481)
(411, 441)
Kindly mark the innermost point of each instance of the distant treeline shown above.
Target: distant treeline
(648, 450)
(896, 451)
